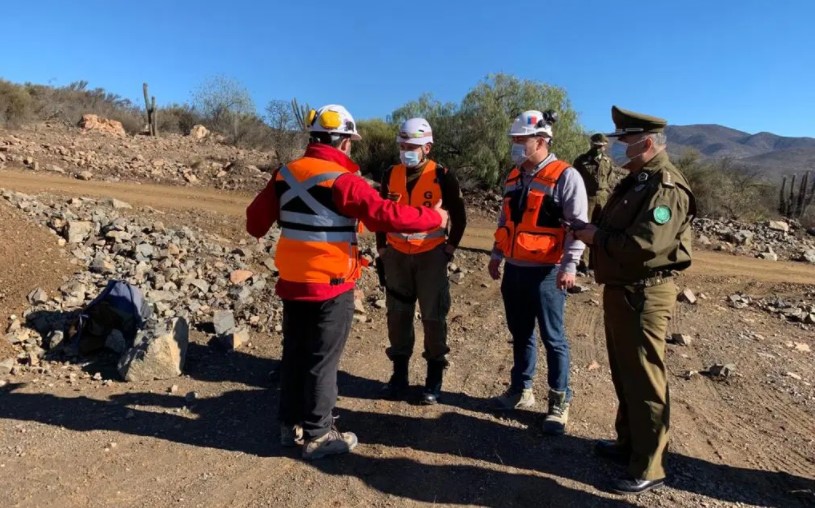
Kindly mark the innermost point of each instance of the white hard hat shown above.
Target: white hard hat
(333, 119)
(531, 123)
(415, 131)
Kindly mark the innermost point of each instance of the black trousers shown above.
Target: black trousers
(314, 335)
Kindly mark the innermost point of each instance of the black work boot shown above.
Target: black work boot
(432, 386)
(398, 384)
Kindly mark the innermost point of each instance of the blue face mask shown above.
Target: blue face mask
(618, 152)
(518, 154)
(410, 158)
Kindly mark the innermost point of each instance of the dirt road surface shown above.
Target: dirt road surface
(748, 440)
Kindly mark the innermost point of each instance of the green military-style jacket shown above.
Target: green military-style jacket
(596, 168)
(645, 227)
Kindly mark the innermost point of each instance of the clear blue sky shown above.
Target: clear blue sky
(746, 64)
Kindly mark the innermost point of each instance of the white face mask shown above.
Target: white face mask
(518, 153)
(410, 158)
(619, 149)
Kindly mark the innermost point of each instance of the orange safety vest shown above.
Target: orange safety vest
(538, 237)
(426, 192)
(317, 244)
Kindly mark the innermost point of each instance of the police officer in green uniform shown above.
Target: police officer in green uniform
(597, 171)
(642, 238)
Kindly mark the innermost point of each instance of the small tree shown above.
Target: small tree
(378, 149)
(224, 102)
(472, 137)
(443, 119)
(488, 110)
(288, 136)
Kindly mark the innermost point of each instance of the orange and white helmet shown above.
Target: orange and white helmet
(333, 119)
(415, 131)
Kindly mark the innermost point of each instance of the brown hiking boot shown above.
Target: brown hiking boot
(291, 435)
(332, 443)
(515, 399)
(558, 414)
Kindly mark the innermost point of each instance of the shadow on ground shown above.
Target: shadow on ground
(243, 420)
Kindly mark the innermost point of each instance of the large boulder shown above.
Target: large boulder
(778, 225)
(95, 123)
(199, 132)
(743, 237)
(78, 230)
(157, 355)
(224, 322)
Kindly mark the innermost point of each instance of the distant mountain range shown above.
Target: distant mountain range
(771, 153)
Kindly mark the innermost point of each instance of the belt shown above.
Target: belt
(657, 278)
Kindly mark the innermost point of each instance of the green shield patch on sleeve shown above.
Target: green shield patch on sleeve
(662, 214)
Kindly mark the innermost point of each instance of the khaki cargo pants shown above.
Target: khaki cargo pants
(636, 322)
(422, 277)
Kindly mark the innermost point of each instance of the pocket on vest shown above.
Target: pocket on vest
(534, 246)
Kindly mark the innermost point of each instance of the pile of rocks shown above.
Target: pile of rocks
(98, 153)
(95, 123)
(798, 311)
(183, 273)
(771, 240)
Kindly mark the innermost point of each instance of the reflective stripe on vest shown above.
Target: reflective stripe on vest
(533, 185)
(425, 192)
(323, 225)
(527, 241)
(317, 244)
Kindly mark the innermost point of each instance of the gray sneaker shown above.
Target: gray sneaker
(333, 443)
(514, 399)
(558, 415)
(291, 435)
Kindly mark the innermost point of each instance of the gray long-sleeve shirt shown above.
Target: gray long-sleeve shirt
(570, 195)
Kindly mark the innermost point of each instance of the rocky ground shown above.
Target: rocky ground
(73, 432)
(202, 160)
(770, 240)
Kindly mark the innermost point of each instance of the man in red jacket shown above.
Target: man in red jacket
(318, 201)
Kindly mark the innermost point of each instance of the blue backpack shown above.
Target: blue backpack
(120, 306)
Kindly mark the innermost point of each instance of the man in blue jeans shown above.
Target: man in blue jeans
(544, 199)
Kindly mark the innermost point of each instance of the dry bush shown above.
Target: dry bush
(377, 150)
(178, 119)
(250, 131)
(808, 219)
(16, 105)
(725, 189)
(69, 103)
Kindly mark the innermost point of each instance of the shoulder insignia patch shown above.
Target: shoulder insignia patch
(662, 214)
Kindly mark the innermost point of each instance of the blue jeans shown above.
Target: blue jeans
(530, 294)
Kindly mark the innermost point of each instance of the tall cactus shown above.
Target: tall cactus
(782, 203)
(794, 204)
(300, 112)
(150, 107)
